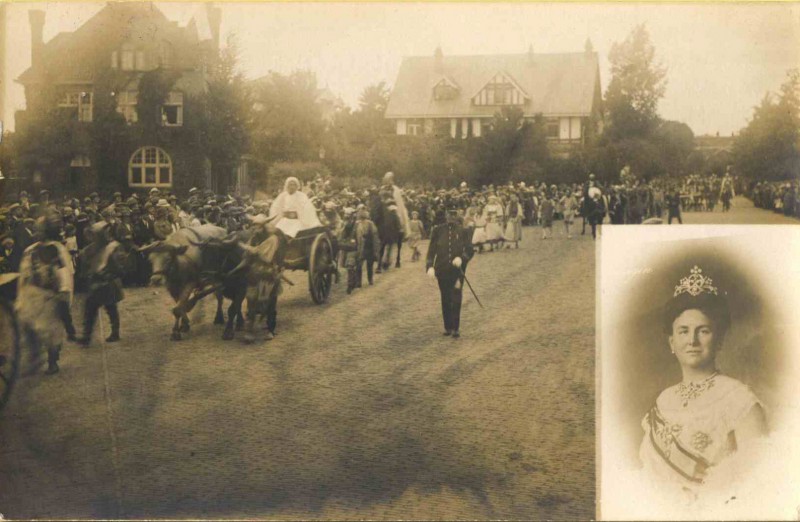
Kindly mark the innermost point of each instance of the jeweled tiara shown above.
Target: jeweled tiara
(695, 284)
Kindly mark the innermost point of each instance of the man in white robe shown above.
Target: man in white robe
(397, 195)
(293, 209)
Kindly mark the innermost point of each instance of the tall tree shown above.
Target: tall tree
(501, 146)
(638, 82)
(287, 122)
(675, 142)
(226, 114)
(768, 148)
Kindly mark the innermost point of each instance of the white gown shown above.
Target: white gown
(687, 453)
(296, 213)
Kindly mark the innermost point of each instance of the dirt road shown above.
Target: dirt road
(358, 409)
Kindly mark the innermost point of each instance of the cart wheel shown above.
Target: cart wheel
(320, 274)
(9, 350)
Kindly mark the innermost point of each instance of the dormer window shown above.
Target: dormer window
(445, 90)
(501, 90)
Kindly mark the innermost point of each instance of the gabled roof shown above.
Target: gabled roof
(507, 76)
(556, 84)
(75, 56)
(448, 80)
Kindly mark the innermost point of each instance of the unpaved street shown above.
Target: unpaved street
(359, 408)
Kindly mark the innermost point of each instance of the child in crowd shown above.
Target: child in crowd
(547, 211)
(417, 231)
(569, 205)
(368, 245)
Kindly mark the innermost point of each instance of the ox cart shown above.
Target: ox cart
(314, 250)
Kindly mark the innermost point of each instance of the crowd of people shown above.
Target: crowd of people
(782, 197)
(94, 243)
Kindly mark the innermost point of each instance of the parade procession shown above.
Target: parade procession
(398, 260)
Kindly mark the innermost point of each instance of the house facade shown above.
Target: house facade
(459, 95)
(102, 68)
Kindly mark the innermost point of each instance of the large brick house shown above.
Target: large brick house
(459, 95)
(102, 64)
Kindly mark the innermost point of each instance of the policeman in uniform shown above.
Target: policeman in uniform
(449, 252)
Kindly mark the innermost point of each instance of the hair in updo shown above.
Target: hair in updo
(714, 306)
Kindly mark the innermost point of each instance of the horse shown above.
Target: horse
(390, 230)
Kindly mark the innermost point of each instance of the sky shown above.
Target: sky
(721, 58)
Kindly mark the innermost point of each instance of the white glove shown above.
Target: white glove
(457, 262)
(431, 272)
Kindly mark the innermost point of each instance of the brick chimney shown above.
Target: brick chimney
(438, 60)
(36, 19)
(214, 22)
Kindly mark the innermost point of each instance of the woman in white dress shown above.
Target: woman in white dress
(474, 217)
(513, 231)
(294, 209)
(493, 215)
(699, 427)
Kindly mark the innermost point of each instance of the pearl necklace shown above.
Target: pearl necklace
(692, 390)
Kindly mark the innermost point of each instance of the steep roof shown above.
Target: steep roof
(75, 57)
(557, 84)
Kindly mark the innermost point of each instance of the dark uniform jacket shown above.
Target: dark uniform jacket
(103, 267)
(449, 241)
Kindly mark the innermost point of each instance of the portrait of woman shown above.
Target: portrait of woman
(698, 381)
(706, 418)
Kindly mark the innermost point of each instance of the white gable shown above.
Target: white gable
(501, 89)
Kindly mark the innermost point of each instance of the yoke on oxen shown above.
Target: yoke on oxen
(192, 271)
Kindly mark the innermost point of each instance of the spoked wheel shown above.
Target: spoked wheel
(320, 269)
(9, 350)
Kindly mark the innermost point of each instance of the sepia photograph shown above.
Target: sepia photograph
(698, 374)
(339, 260)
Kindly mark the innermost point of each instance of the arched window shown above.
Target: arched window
(150, 167)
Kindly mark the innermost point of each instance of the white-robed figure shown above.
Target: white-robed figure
(493, 215)
(293, 209)
(397, 195)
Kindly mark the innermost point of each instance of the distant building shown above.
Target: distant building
(709, 145)
(102, 63)
(459, 95)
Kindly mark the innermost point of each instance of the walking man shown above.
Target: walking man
(104, 266)
(449, 252)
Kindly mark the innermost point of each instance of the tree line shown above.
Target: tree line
(284, 126)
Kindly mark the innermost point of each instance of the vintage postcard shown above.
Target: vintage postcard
(337, 260)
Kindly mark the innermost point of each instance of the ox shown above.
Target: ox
(190, 271)
(263, 263)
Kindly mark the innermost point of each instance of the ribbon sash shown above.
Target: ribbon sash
(690, 466)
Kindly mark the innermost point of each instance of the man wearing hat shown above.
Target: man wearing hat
(449, 252)
(162, 227)
(103, 265)
(21, 230)
(194, 197)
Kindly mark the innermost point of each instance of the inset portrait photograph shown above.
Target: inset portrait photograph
(697, 369)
